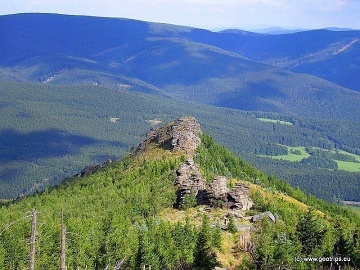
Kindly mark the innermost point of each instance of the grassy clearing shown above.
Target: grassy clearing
(275, 121)
(291, 156)
(348, 166)
(342, 165)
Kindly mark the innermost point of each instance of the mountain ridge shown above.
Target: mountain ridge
(163, 59)
(121, 212)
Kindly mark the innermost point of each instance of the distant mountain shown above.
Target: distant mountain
(277, 31)
(240, 32)
(180, 62)
(331, 55)
(340, 29)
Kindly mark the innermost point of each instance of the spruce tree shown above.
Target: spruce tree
(310, 232)
(204, 256)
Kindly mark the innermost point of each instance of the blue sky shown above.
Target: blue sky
(209, 14)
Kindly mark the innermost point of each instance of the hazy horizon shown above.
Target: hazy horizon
(207, 14)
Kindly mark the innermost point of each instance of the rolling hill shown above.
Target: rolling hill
(127, 214)
(315, 52)
(175, 61)
(79, 90)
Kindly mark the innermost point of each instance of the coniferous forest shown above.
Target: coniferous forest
(270, 181)
(122, 214)
(53, 132)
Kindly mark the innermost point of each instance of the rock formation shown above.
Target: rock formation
(189, 180)
(239, 198)
(182, 134)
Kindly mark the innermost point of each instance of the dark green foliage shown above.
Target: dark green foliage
(204, 256)
(275, 246)
(228, 79)
(272, 150)
(330, 155)
(295, 151)
(113, 214)
(101, 213)
(320, 162)
(232, 227)
(68, 128)
(311, 233)
(189, 201)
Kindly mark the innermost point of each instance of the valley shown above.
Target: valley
(127, 144)
(61, 129)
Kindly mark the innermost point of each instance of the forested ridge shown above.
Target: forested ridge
(119, 214)
(51, 132)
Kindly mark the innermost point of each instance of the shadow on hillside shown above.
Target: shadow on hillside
(49, 143)
(256, 96)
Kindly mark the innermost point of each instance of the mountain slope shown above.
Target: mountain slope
(51, 132)
(120, 213)
(316, 52)
(167, 60)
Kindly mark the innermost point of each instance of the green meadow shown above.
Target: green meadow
(291, 156)
(275, 121)
(296, 154)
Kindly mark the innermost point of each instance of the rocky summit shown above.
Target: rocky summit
(183, 134)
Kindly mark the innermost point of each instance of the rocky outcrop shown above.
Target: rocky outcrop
(189, 180)
(218, 189)
(88, 170)
(239, 198)
(182, 134)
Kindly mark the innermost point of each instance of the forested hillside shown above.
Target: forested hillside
(123, 214)
(185, 63)
(49, 133)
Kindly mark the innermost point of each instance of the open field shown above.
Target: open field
(275, 121)
(291, 156)
(342, 165)
(348, 166)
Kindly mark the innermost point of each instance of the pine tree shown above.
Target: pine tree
(204, 257)
(232, 227)
(216, 237)
(310, 232)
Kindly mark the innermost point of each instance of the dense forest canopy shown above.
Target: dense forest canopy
(61, 129)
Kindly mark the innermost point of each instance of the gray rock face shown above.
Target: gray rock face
(218, 189)
(189, 180)
(239, 198)
(182, 134)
